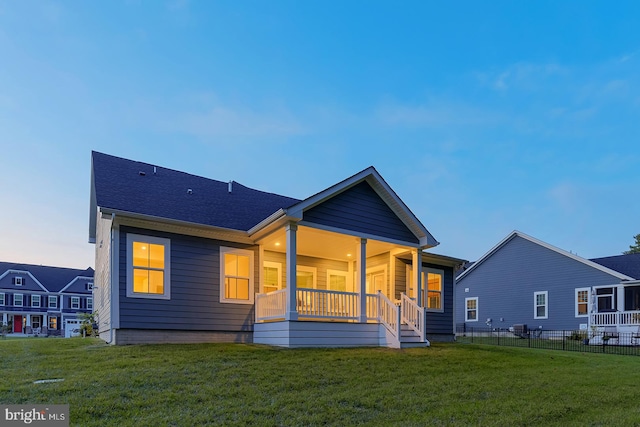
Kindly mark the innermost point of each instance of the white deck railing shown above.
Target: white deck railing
(324, 304)
(388, 314)
(372, 307)
(412, 314)
(620, 318)
(271, 306)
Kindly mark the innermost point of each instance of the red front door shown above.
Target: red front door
(17, 324)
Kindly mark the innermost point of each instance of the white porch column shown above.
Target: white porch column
(417, 275)
(4, 318)
(620, 305)
(45, 322)
(28, 320)
(361, 278)
(291, 313)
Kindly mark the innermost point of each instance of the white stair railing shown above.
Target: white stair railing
(413, 315)
(271, 306)
(388, 314)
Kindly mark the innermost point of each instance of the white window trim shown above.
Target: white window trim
(53, 298)
(77, 303)
(167, 265)
(466, 310)
(3, 298)
(588, 290)
(245, 252)
(18, 281)
(344, 274)
(21, 300)
(90, 303)
(312, 270)
(546, 304)
(38, 298)
(276, 265)
(90, 286)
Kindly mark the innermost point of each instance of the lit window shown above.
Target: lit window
(471, 309)
(306, 277)
(433, 298)
(75, 303)
(35, 301)
(236, 276)
(53, 302)
(337, 280)
(148, 274)
(582, 302)
(89, 303)
(272, 276)
(540, 305)
(53, 323)
(17, 300)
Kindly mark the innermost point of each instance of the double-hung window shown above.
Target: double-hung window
(89, 303)
(272, 276)
(582, 302)
(2, 299)
(75, 303)
(35, 301)
(53, 301)
(541, 305)
(236, 276)
(18, 281)
(148, 272)
(17, 300)
(471, 309)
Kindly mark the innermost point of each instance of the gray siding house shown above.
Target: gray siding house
(43, 300)
(523, 280)
(182, 258)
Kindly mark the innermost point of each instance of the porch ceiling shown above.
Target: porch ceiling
(324, 244)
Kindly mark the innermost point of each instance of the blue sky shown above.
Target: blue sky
(485, 117)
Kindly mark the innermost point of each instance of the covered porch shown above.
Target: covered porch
(616, 306)
(323, 287)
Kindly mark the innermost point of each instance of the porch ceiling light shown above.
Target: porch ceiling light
(277, 243)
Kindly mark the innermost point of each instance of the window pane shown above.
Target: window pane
(304, 279)
(433, 300)
(540, 311)
(140, 254)
(156, 256)
(270, 279)
(242, 286)
(156, 282)
(243, 266)
(434, 282)
(540, 299)
(230, 265)
(337, 283)
(471, 304)
(140, 280)
(471, 315)
(582, 308)
(230, 288)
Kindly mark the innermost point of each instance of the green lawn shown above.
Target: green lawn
(453, 384)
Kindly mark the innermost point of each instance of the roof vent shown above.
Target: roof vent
(154, 170)
(230, 186)
(189, 191)
(142, 173)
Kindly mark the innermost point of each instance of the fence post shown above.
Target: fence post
(564, 336)
(498, 336)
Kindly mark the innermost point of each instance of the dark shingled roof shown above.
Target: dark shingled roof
(52, 278)
(625, 264)
(142, 188)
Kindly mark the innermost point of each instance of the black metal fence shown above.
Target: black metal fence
(585, 341)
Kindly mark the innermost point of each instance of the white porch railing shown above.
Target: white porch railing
(620, 318)
(412, 315)
(372, 307)
(271, 306)
(325, 304)
(388, 314)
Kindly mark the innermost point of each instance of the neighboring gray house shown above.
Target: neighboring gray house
(43, 300)
(181, 258)
(523, 280)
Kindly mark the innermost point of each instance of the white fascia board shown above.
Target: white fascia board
(358, 234)
(73, 281)
(25, 272)
(544, 245)
(383, 190)
(270, 224)
(157, 223)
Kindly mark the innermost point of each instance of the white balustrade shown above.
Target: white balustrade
(271, 306)
(326, 304)
(412, 314)
(388, 314)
